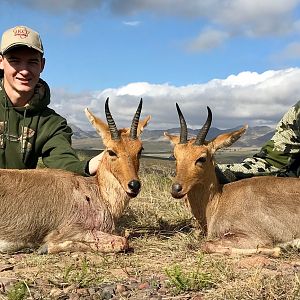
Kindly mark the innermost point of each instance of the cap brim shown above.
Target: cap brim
(17, 45)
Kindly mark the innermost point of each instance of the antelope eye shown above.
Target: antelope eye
(201, 160)
(111, 153)
(172, 157)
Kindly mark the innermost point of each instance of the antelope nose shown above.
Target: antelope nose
(134, 186)
(176, 189)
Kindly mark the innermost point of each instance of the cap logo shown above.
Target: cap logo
(22, 32)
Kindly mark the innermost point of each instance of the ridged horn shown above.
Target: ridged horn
(183, 127)
(111, 123)
(135, 121)
(204, 130)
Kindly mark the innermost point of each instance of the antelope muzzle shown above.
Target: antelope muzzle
(134, 188)
(176, 191)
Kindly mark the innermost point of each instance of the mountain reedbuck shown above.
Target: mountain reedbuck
(61, 211)
(254, 215)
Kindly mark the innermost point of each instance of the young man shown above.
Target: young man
(280, 156)
(29, 129)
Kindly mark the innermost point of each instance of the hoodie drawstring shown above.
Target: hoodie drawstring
(23, 134)
(5, 125)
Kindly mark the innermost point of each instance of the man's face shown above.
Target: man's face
(22, 68)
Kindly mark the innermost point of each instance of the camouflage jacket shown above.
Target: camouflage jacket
(33, 131)
(283, 150)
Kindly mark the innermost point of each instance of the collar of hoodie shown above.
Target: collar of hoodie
(39, 100)
(37, 103)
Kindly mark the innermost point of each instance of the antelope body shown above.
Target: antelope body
(61, 211)
(254, 215)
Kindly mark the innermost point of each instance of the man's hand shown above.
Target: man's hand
(94, 162)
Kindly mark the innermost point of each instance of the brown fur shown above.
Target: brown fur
(62, 211)
(245, 217)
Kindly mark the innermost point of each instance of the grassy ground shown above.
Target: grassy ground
(165, 262)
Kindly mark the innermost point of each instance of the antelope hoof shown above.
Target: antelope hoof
(120, 245)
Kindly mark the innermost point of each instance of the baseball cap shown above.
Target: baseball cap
(21, 36)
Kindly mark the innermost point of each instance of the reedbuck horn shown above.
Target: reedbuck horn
(183, 127)
(135, 121)
(204, 130)
(111, 123)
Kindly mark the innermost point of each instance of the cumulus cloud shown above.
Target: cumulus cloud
(243, 16)
(235, 18)
(248, 97)
(246, 16)
(257, 18)
(250, 17)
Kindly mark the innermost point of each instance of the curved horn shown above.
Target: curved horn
(183, 127)
(204, 130)
(135, 121)
(111, 123)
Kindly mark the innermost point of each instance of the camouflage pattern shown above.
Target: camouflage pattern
(280, 156)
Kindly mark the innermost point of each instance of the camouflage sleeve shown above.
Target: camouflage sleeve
(249, 167)
(275, 156)
(287, 136)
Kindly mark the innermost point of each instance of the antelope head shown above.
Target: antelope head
(123, 148)
(194, 157)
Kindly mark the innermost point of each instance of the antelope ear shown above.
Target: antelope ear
(142, 125)
(100, 126)
(174, 139)
(227, 139)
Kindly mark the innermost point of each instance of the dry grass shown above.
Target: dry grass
(166, 255)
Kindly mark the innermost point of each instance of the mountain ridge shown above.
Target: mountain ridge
(254, 137)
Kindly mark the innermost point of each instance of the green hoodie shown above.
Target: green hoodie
(33, 131)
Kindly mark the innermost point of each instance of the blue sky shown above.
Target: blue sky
(240, 57)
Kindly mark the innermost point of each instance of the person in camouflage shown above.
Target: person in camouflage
(280, 156)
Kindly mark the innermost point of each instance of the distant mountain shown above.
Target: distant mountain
(254, 136)
(79, 134)
(153, 135)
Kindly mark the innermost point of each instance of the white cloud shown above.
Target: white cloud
(227, 19)
(208, 39)
(231, 18)
(132, 23)
(248, 97)
(247, 79)
(256, 18)
(247, 17)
